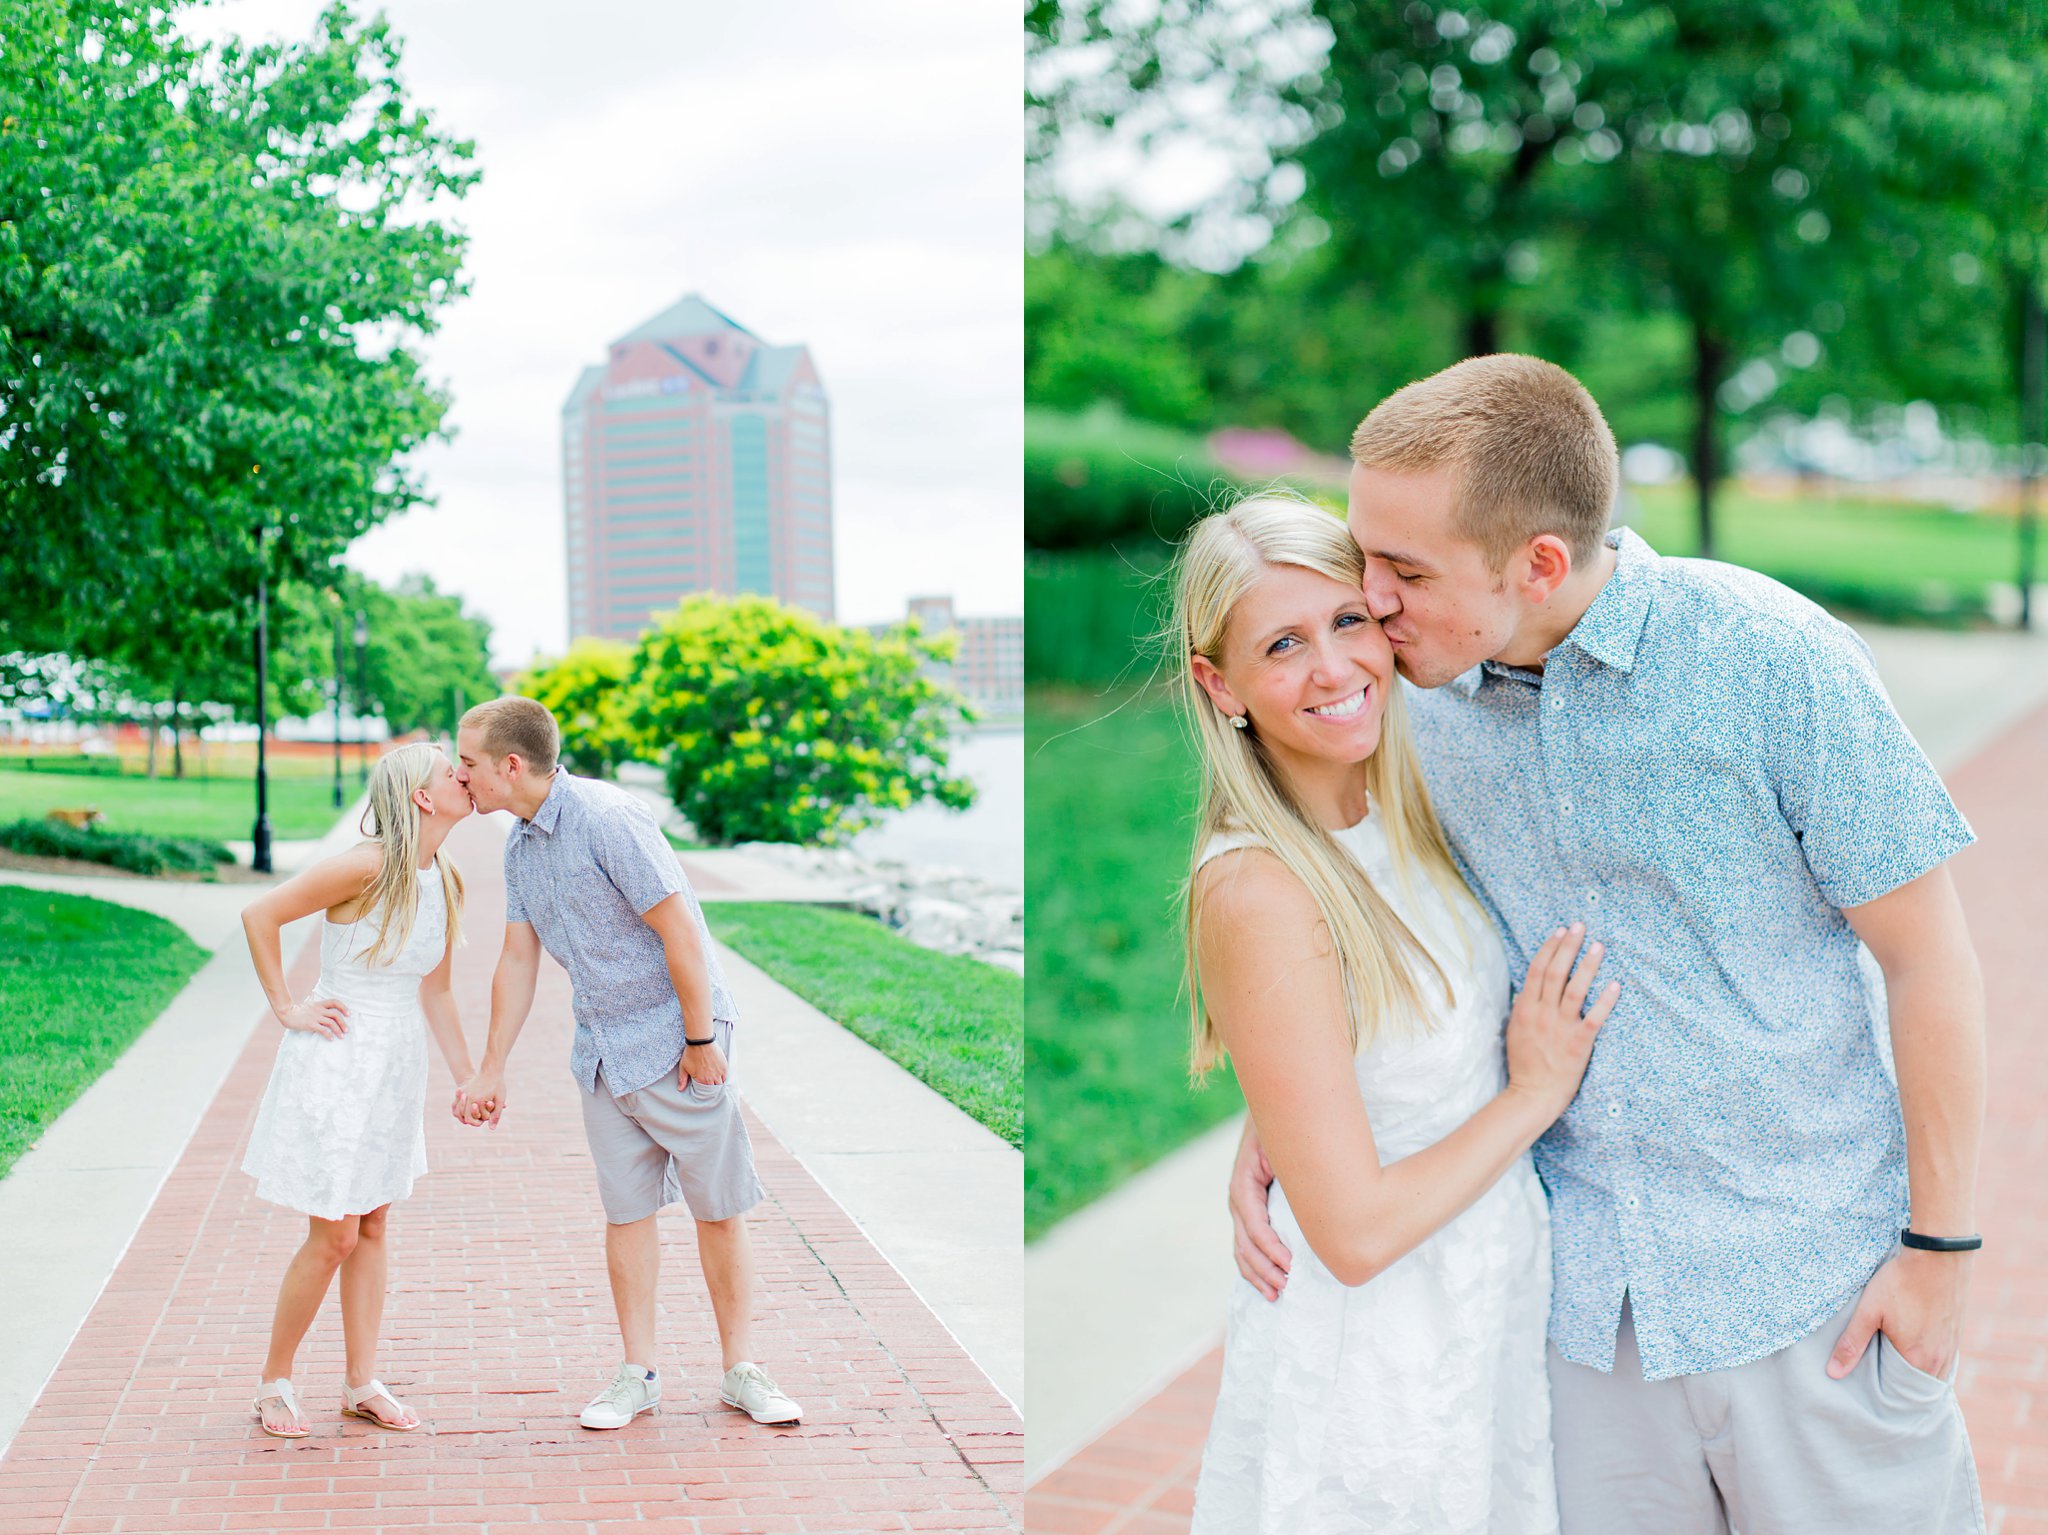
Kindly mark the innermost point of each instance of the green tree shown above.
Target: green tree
(772, 725)
(588, 691)
(212, 262)
(428, 659)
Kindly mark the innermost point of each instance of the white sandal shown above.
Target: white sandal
(352, 1406)
(280, 1391)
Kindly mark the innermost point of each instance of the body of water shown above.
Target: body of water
(986, 840)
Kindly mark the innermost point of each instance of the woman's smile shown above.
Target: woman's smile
(1344, 708)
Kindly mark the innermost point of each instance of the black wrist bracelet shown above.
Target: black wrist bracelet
(711, 1041)
(1913, 1239)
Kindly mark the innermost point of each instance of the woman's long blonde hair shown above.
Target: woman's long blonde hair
(394, 894)
(1243, 792)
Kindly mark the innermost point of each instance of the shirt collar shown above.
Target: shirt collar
(550, 811)
(1611, 630)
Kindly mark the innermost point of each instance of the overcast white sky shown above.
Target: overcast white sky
(843, 175)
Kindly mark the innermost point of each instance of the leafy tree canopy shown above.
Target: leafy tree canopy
(211, 263)
(587, 692)
(772, 725)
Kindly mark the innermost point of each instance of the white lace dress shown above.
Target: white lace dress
(1417, 1402)
(342, 1128)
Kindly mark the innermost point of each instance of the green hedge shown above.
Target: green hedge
(135, 851)
(1095, 479)
(78, 765)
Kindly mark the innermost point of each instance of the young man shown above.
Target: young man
(1760, 1243)
(589, 877)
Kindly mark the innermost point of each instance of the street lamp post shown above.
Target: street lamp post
(337, 702)
(260, 855)
(2033, 433)
(362, 693)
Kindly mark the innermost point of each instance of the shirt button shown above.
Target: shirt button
(1633, 1201)
(1614, 1108)
(1565, 805)
(1592, 898)
(1556, 704)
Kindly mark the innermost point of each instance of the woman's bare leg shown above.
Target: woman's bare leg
(364, 1277)
(327, 1247)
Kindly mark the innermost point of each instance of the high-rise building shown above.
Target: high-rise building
(696, 458)
(988, 665)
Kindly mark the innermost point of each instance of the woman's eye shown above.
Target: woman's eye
(1278, 645)
(1352, 620)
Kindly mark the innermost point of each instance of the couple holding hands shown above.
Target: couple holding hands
(341, 1134)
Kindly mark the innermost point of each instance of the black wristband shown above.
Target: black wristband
(689, 1041)
(1910, 1238)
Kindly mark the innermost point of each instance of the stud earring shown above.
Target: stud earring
(1239, 722)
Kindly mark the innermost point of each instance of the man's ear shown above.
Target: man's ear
(1212, 683)
(514, 765)
(1546, 564)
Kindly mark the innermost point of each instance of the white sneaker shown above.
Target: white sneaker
(632, 1392)
(748, 1388)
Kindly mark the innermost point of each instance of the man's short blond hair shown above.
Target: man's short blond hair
(1530, 449)
(517, 725)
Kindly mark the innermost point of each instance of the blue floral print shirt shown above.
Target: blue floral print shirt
(1706, 772)
(583, 871)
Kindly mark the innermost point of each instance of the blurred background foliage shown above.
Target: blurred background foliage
(1795, 251)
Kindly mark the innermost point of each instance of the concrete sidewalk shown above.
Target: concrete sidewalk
(499, 1326)
(1137, 1473)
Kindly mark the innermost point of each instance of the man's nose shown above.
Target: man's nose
(1382, 592)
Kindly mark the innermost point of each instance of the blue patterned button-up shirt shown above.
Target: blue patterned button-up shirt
(1706, 772)
(582, 871)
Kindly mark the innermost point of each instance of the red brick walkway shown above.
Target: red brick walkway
(499, 1327)
(1139, 1478)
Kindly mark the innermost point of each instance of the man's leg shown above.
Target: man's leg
(1883, 1448)
(1630, 1457)
(632, 1257)
(728, 1258)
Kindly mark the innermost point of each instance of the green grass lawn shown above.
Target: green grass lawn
(223, 809)
(1108, 823)
(79, 979)
(1870, 556)
(956, 1024)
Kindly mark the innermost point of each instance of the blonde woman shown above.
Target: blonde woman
(341, 1134)
(1398, 1383)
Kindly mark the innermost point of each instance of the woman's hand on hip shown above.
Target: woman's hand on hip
(327, 1017)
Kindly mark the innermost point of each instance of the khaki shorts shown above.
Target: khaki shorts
(1769, 1448)
(662, 1143)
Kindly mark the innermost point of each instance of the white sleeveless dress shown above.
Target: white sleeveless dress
(1418, 1402)
(342, 1127)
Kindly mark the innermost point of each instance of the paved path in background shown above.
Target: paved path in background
(1138, 1477)
(499, 1327)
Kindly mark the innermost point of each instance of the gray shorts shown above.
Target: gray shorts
(1769, 1448)
(662, 1143)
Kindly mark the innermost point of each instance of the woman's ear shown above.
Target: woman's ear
(1212, 683)
(424, 800)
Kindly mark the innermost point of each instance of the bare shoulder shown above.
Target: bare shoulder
(344, 879)
(334, 885)
(359, 862)
(1249, 883)
(1254, 909)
